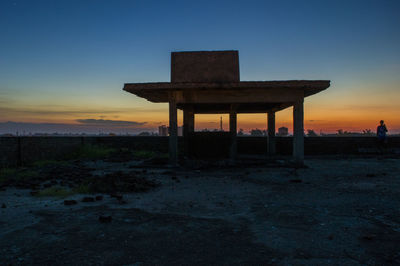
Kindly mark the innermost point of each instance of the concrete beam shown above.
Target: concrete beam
(173, 130)
(271, 133)
(233, 131)
(209, 108)
(239, 96)
(298, 132)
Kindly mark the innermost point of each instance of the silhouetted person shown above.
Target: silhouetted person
(381, 133)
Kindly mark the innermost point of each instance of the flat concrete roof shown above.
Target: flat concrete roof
(159, 91)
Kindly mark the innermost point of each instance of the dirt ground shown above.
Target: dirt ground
(335, 212)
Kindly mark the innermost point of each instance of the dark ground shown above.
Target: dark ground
(335, 212)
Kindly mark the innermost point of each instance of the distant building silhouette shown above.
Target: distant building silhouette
(163, 130)
(283, 131)
(311, 133)
(257, 132)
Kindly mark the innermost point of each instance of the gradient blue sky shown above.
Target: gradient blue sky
(66, 61)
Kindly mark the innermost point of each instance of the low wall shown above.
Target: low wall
(22, 150)
(319, 145)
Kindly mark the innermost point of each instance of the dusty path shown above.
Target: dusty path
(336, 212)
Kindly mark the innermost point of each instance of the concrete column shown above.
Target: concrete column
(173, 130)
(298, 132)
(233, 132)
(271, 133)
(188, 120)
(188, 127)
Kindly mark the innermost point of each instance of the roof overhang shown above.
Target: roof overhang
(159, 92)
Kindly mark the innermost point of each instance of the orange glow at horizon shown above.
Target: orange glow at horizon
(353, 110)
(325, 121)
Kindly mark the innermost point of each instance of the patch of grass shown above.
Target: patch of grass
(7, 172)
(143, 154)
(163, 155)
(61, 192)
(82, 189)
(42, 163)
(26, 175)
(55, 192)
(93, 152)
(17, 174)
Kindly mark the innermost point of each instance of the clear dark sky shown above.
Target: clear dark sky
(65, 62)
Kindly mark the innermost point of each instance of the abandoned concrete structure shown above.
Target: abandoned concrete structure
(204, 82)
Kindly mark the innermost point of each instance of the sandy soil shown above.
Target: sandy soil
(335, 212)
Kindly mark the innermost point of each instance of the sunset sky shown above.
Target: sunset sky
(63, 63)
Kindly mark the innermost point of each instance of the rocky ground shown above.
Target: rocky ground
(338, 211)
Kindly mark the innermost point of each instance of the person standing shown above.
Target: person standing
(381, 133)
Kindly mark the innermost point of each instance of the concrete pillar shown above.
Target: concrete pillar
(173, 130)
(188, 127)
(298, 132)
(188, 120)
(233, 132)
(271, 133)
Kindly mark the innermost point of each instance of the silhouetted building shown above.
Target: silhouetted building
(208, 82)
(257, 132)
(163, 130)
(283, 131)
(180, 131)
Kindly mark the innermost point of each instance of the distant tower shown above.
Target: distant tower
(220, 124)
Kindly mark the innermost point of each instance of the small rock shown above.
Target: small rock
(34, 193)
(118, 197)
(88, 199)
(3, 206)
(168, 172)
(99, 198)
(368, 237)
(330, 237)
(105, 219)
(70, 202)
(47, 185)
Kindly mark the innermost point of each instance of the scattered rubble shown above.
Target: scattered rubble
(105, 219)
(88, 199)
(70, 202)
(120, 182)
(34, 192)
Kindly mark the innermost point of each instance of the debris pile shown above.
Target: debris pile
(120, 182)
